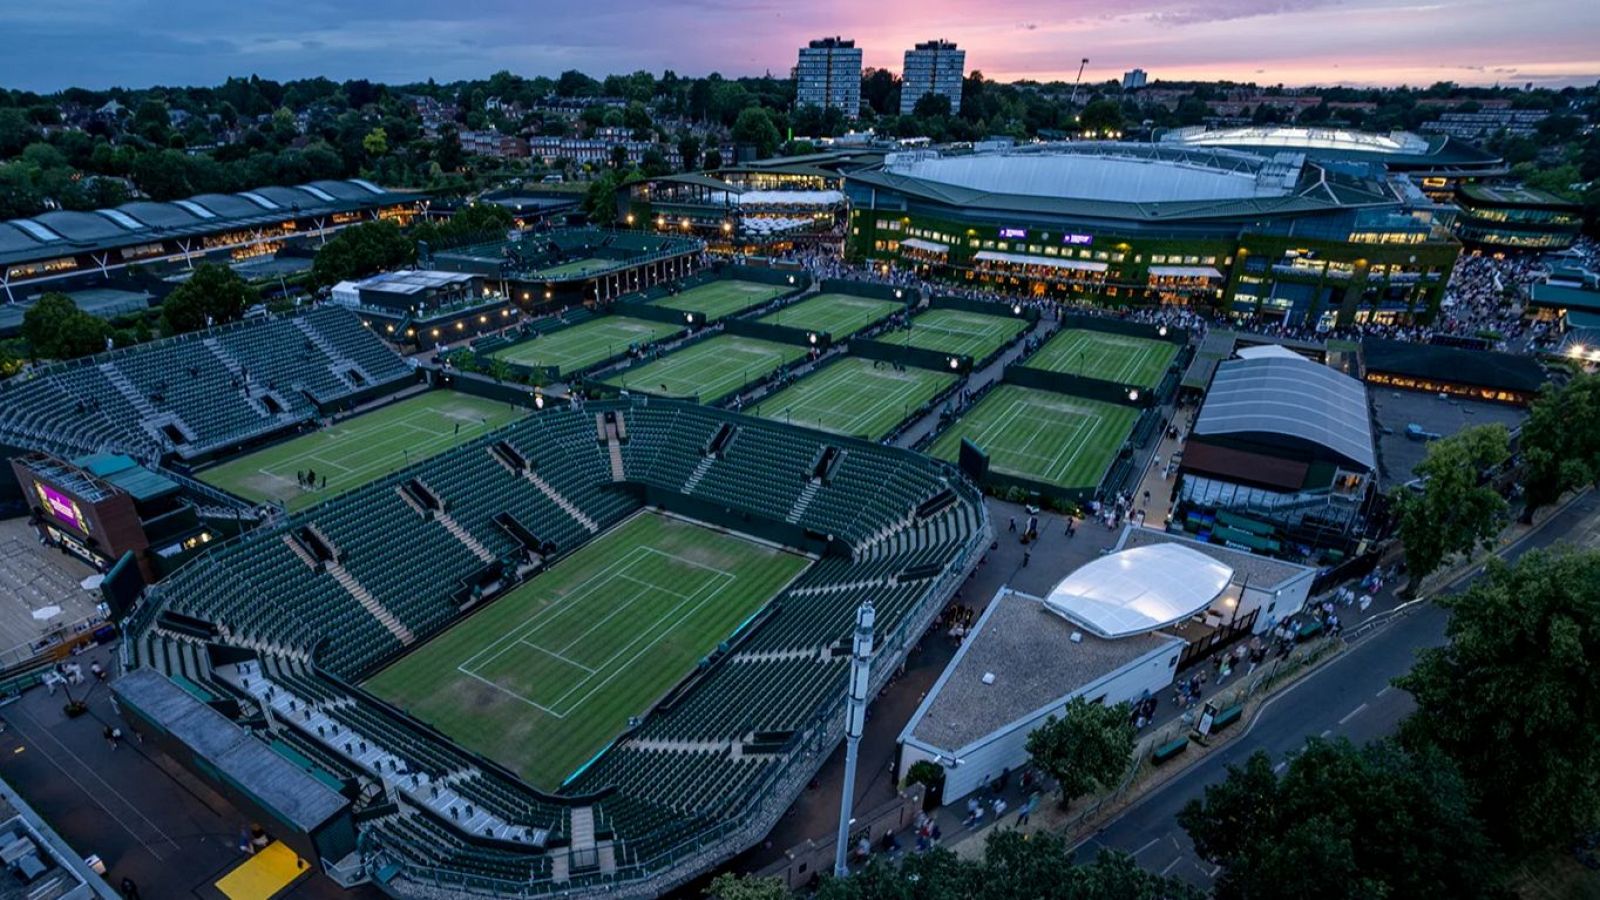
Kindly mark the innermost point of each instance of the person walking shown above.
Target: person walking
(130, 890)
(1013, 528)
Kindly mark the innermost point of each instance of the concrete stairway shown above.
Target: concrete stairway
(371, 604)
(566, 505)
(464, 536)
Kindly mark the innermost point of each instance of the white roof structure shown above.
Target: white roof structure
(1139, 590)
(1289, 138)
(1267, 351)
(1277, 397)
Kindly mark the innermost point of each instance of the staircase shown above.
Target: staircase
(128, 391)
(371, 604)
(566, 505)
(807, 494)
(615, 450)
(411, 501)
(326, 346)
(300, 551)
(698, 473)
(464, 536)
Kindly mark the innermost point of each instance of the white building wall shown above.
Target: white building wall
(984, 761)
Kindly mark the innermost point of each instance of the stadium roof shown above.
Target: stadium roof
(1259, 572)
(1502, 371)
(1278, 396)
(1397, 149)
(64, 233)
(1127, 181)
(1559, 296)
(1139, 590)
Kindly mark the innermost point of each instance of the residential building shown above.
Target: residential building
(493, 144)
(828, 75)
(1134, 79)
(932, 67)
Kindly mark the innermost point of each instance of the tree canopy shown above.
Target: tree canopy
(1455, 509)
(1514, 697)
(361, 250)
(1088, 747)
(55, 328)
(1343, 822)
(1560, 443)
(212, 295)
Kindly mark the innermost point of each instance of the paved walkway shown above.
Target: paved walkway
(975, 381)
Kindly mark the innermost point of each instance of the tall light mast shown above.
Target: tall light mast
(855, 720)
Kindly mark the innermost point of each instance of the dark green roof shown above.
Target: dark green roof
(1562, 297)
(1480, 368)
(1513, 195)
(127, 475)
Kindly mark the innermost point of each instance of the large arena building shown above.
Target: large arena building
(1280, 235)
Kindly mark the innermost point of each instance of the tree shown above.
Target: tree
(55, 328)
(1087, 747)
(930, 105)
(600, 202)
(1102, 118)
(713, 160)
(361, 250)
(1560, 443)
(754, 127)
(376, 142)
(1343, 822)
(213, 295)
(688, 151)
(1455, 509)
(729, 886)
(1514, 696)
(1013, 865)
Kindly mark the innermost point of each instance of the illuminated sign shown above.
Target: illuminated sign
(1017, 233)
(1077, 240)
(61, 506)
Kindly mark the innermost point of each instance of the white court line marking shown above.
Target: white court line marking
(549, 652)
(1352, 714)
(509, 693)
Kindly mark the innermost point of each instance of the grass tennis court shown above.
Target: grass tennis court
(852, 397)
(583, 345)
(720, 299)
(711, 369)
(961, 332)
(840, 315)
(1122, 358)
(544, 677)
(357, 450)
(576, 267)
(1055, 438)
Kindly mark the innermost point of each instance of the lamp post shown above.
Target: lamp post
(855, 721)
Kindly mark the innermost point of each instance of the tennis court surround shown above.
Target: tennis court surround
(544, 677)
(855, 396)
(580, 346)
(1054, 438)
(839, 315)
(959, 331)
(710, 369)
(720, 299)
(1118, 358)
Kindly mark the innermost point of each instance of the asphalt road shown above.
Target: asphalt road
(1350, 697)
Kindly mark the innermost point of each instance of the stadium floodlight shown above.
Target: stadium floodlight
(1162, 331)
(689, 317)
(538, 401)
(812, 337)
(1133, 395)
(791, 279)
(955, 362)
(1016, 309)
(630, 218)
(898, 293)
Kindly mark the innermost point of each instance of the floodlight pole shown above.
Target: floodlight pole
(1074, 100)
(855, 721)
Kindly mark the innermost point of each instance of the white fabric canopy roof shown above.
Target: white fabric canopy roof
(1266, 351)
(791, 198)
(1139, 590)
(1024, 259)
(1185, 272)
(926, 246)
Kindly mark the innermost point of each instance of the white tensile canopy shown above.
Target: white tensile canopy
(1139, 590)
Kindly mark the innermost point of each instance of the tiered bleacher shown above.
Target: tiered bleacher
(199, 392)
(326, 596)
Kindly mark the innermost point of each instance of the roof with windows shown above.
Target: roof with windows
(1274, 397)
(59, 233)
(1146, 182)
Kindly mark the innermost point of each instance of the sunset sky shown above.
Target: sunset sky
(136, 43)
